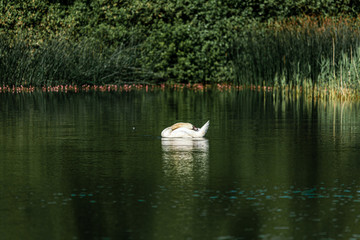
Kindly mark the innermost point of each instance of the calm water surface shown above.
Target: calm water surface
(93, 166)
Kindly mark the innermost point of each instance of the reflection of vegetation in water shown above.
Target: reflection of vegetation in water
(290, 127)
(277, 163)
(292, 161)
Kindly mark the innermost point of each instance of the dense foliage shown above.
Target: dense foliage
(176, 41)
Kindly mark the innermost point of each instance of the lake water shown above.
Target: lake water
(93, 166)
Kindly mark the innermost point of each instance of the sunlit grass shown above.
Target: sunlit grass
(317, 53)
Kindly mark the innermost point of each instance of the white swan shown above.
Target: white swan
(185, 130)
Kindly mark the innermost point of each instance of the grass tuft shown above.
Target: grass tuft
(310, 52)
(63, 62)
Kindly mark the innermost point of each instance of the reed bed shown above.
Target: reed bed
(308, 52)
(196, 87)
(284, 93)
(113, 88)
(61, 62)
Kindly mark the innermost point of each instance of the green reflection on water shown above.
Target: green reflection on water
(93, 165)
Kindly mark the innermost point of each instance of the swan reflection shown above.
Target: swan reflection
(186, 159)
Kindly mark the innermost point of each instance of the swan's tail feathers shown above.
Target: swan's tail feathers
(204, 128)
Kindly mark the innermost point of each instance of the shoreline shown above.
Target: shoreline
(312, 92)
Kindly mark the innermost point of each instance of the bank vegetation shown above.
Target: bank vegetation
(274, 43)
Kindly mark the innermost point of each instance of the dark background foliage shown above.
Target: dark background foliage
(174, 41)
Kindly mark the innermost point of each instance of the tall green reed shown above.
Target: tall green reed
(300, 51)
(64, 62)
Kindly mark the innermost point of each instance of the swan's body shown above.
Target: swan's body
(185, 130)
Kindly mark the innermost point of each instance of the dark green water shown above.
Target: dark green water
(93, 166)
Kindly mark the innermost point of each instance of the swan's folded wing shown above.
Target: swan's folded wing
(166, 132)
(182, 133)
(185, 131)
